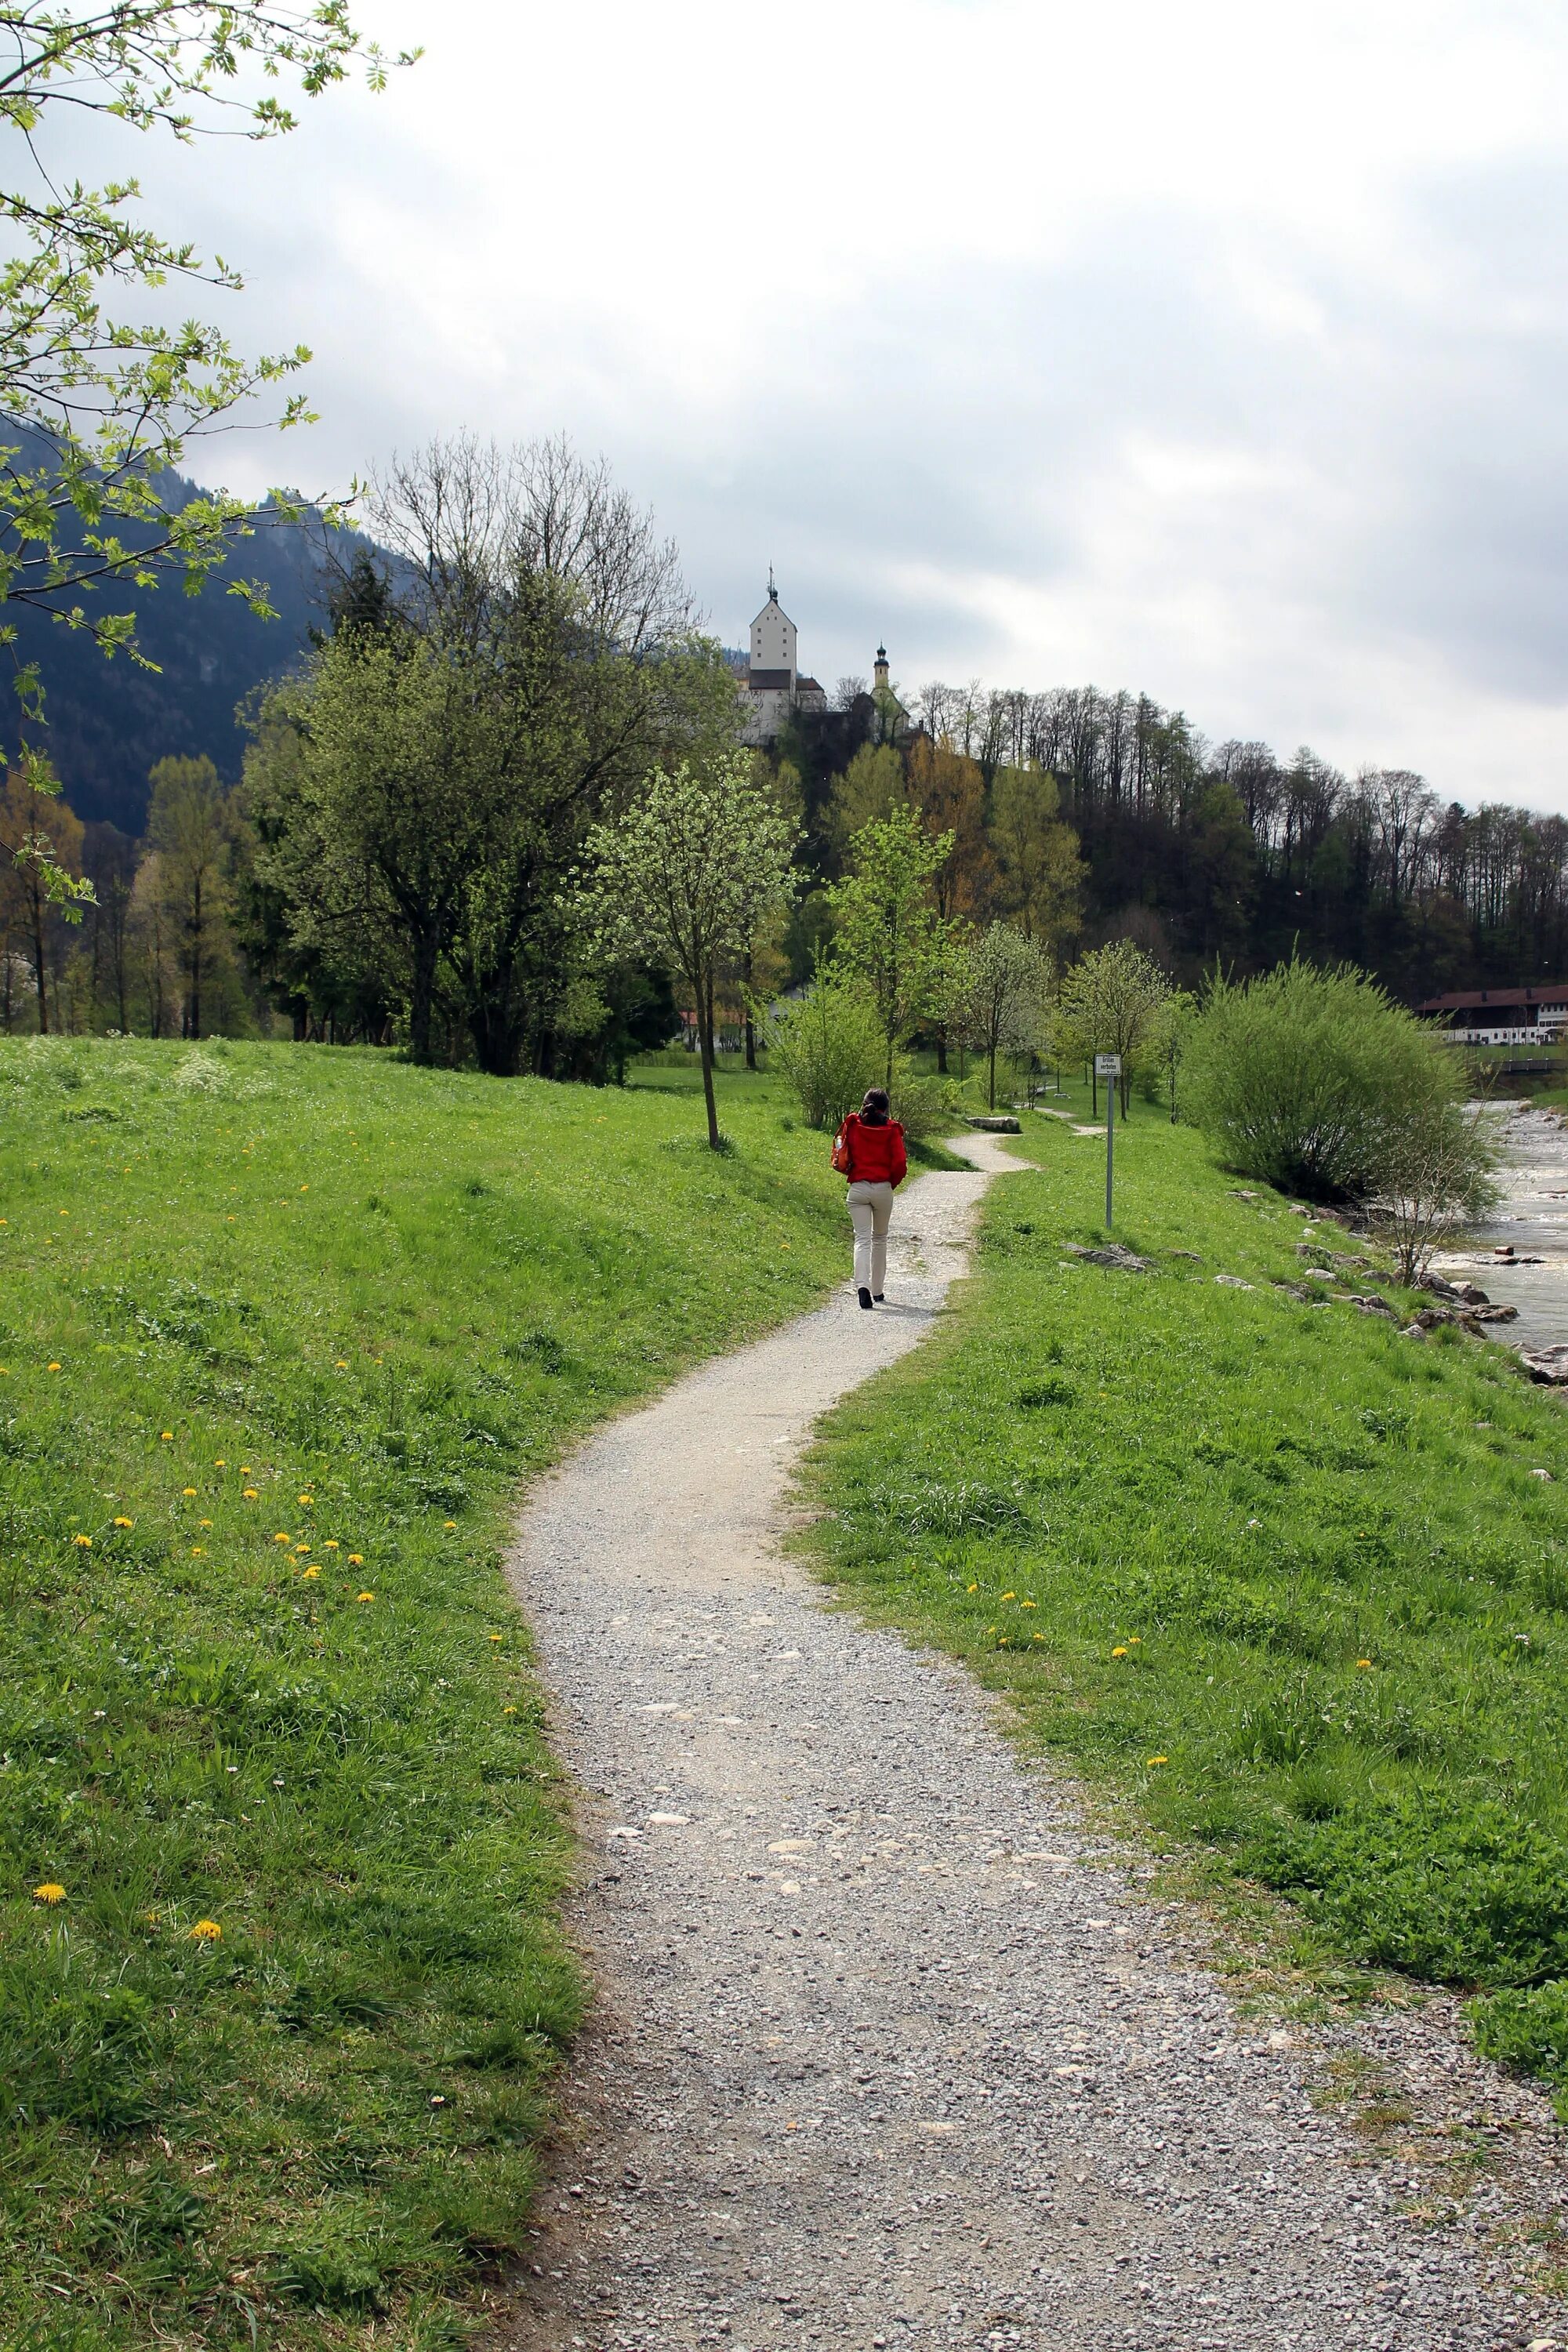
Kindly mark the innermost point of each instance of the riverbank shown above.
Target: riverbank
(1287, 1581)
(1519, 1253)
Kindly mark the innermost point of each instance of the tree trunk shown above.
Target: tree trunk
(991, 1097)
(1094, 1091)
(40, 963)
(750, 1025)
(422, 999)
(705, 1046)
(197, 961)
(942, 1049)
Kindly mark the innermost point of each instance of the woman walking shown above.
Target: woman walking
(870, 1150)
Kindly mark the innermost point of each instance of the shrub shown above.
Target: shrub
(829, 1045)
(925, 1107)
(1317, 1082)
(1527, 2029)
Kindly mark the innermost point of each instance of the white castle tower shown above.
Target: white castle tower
(774, 687)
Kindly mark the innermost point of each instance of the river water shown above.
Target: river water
(1531, 1215)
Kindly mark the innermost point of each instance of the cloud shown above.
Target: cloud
(1218, 352)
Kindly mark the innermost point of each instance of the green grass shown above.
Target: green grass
(281, 1328)
(1279, 1576)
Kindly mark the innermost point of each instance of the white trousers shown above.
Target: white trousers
(870, 1209)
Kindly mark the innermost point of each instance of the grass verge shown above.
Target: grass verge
(1294, 1583)
(280, 1328)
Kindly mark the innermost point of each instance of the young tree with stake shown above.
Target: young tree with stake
(685, 875)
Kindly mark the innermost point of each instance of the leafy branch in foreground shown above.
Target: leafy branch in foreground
(98, 409)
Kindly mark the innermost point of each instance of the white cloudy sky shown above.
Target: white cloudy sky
(1217, 350)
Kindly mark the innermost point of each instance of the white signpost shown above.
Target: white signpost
(1109, 1067)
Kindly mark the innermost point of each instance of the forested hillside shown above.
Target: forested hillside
(108, 721)
(1227, 851)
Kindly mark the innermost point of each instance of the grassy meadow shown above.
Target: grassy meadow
(1293, 1583)
(281, 1329)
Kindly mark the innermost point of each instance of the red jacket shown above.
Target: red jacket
(871, 1155)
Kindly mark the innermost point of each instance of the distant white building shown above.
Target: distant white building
(770, 685)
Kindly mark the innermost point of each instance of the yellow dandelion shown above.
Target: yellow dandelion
(309, 1573)
(1363, 1662)
(150, 1919)
(356, 1560)
(248, 1494)
(187, 1492)
(449, 1525)
(49, 1894)
(1120, 1651)
(282, 1538)
(1037, 1637)
(85, 1541)
(497, 1637)
(125, 1523)
(307, 1498)
(1134, 1641)
(54, 1367)
(302, 1547)
(1029, 1605)
(207, 1931)
(165, 1437)
(971, 1588)
(508, 1710)
(364, 1596)
(341, 1364)
(1009, 1596)
(331, 1544)
(204, 1523)
(197, 1550)
(245, 1469)
(1159, 1759)
(220, 1463)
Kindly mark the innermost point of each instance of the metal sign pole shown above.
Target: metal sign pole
(1109, 1067)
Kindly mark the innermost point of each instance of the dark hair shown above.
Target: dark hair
(874, 1109)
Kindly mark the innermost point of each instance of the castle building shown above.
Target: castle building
(771, 685)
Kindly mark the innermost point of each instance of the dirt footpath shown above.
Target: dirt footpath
(889, 2053)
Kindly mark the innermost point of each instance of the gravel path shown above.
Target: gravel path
(890, 2051)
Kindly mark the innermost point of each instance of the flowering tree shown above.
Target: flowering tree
(699, 858)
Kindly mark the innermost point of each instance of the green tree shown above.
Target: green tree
(191, 826)
(39, 839)
(1041, 873)
(872, 785)
(888, 930)
(686, 874)
(403, 757)
(99, 408)
(1007, 990)
(1111, 1002)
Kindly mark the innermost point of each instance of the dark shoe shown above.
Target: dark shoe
(863, 1297)
(878, 1297)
